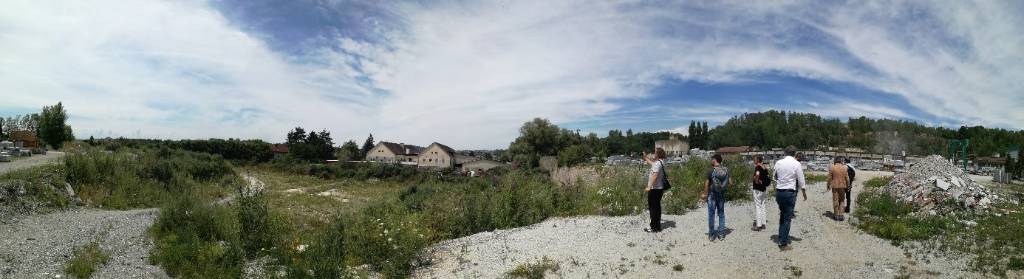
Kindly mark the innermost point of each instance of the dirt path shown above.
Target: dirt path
(35, 160)
(615, 247)
(38, 246)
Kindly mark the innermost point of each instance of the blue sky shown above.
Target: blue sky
(468, 73)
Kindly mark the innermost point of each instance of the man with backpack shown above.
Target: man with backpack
(761, 181)
(714, 194)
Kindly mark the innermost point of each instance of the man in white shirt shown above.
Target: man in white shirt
(789, 176)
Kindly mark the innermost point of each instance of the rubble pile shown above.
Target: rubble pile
(935, 186)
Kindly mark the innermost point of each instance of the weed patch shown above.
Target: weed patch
(86, 260)
(534, 270)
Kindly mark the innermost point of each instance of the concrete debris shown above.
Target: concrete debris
(932, 181)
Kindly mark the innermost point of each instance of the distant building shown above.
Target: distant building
(26, 139)
(279, 150)
(673, 146)
(437, 155)
(731, 150)
(389, 152)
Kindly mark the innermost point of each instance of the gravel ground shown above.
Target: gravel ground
(32, 161)
(615, 247)
(38, 246)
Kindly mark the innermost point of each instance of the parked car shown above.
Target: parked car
(24, 152)
(39, 150)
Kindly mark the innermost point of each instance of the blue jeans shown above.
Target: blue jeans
(716, 203)
(787, 201)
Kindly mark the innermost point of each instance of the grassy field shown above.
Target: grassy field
(993, 242)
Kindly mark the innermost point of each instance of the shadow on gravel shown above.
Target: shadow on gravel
(668, 224)
(775, 238)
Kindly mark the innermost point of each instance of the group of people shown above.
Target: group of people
(786, 175)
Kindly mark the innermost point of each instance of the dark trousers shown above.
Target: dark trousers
(848, 200)
(654, 205)
(787, 202)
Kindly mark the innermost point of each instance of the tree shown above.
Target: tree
(313, 147)
(349, 151)
(537, 138)
(367, 145)
(574, 155)
(50, 126)
(296, 136)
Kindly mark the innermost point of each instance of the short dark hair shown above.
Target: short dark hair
(838, 160)
(717, 158)
(758, 158)
(790, 150)
(659, 153)
(847, 160)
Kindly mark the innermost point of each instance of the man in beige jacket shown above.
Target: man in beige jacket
(838, 179)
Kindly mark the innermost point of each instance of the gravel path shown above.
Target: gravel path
(32, 161)
(38, 246)
(615, 247)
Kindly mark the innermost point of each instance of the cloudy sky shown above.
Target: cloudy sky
(469, 73)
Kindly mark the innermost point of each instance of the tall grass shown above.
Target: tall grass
(136, 178)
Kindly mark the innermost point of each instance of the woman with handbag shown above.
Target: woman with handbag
(657, 183)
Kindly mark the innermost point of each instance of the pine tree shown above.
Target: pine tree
(367, 146)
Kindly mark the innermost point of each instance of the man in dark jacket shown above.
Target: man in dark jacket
(851, 173)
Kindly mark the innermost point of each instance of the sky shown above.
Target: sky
(469, 73)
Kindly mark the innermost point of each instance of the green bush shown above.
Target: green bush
(262, 230)
(197, 240)
(86, 260)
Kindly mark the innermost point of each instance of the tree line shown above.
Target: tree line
(49, 125)
(772, 128)
(769, 129)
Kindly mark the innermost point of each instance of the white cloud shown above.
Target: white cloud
(469, 73)
(167, 69)
(490, 66)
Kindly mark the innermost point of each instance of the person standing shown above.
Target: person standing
(655, 188)
(761, 181)
(849, 187)
(838, 179)
(717, 182)
(789, 177)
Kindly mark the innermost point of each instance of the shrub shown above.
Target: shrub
(85, 260)
(261, 229)
(195, 240)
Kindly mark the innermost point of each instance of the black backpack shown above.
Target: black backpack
(664, 177)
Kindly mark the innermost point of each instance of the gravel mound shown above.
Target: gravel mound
(933, 180)
(615, 247)
(38, 246)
